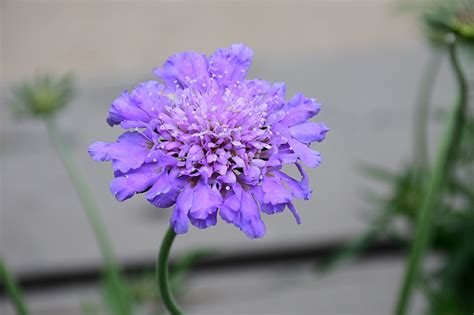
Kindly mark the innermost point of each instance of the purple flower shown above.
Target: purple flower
(212, 142)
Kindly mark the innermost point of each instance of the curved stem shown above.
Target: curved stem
(162, 273)
(112, 269)
(12, 289)
(425, 91)
(444, 164)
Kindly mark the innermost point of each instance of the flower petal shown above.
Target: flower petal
(149, 97)
(229, 210)
(139, 107)
(230, 65)
(125, 185)
(251, 176)
(241, 209)
(206, 201)
(268, 208)
(309, 132)
(295, 213)
(309, 157)
(297, 189)
(129, 152)
(274, 190)
(184, 69)
(179, 220)
(124, 111)
(250, 221)
(300, 110)
(165, 190)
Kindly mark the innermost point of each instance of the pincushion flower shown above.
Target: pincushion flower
(212, 142)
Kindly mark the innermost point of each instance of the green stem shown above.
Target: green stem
(162, 273)
(112, 269)
(13, 290)
(422, 109)
(444, 163)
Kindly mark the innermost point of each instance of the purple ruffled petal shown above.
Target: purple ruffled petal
(298, 189)
(139, 107)
(165, 190)
(309, 132)
(250, 221)
(129, 152)
(309, 157)
(125, 112)
(125, 185)
(206, 201)
(294, 212)
(300, 110)
(179, 220)
(274, 190)
(183, 70)
(230, 208)
(241, 209)
(230, 65)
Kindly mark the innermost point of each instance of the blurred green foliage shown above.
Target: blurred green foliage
(143, 288)
(449, 288)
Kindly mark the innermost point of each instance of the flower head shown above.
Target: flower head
(43, 96)
(211, 142)
(455, 16)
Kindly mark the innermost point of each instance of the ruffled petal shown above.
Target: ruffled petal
(157, 156)
(125, 185)
(165, 190)
(230, 65)
(139, 107)
(241, 209)
(300, 110)
(309, 157)
(179, 220)
(229, 210)
(150, 97)
(274, 190)
(183, 70)
(298, 189)
(275, 97)
(124, 111)
(206, 201)
(129, 152)
(250, 221)
(294, 212)
(309, 132)
(268, 208)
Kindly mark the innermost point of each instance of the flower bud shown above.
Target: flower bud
(43, 96)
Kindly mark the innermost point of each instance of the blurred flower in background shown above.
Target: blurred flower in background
(43, 96)
(454, 16)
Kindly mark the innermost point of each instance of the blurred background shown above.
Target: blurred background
(362, 60)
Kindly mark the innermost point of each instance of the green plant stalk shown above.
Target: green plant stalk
(425, 91)
(162, 273)
(112, 269)
(12, 289)
(444, 163)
